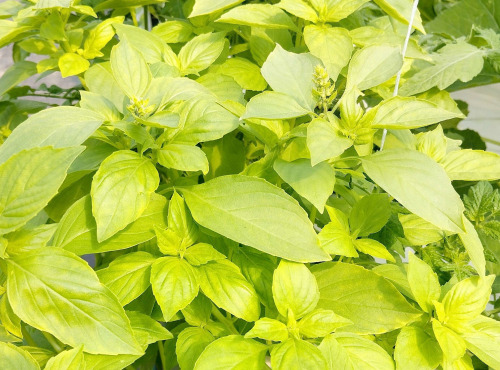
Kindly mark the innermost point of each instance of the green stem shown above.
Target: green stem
(52, 341)
(161, 349)
(223, 320)
(491, 141)
(312, 215)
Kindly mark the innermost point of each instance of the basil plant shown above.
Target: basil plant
(232, 184)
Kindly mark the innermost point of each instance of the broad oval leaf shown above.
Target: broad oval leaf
(373, 304)
(223, 283)
(59, 127)
(121, 191)
(472, 165)
(296, 353)
(258, 15)
(232, 352)
(55, 291)
(191, 342)
(29, 180)
(77, 230)
(200, 52)
(71, 360)
(273, 105)
(12, 357)
(419, 184)
(417, 350)
(253, 212)
(202, 7)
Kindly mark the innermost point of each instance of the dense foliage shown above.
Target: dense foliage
(240, 185)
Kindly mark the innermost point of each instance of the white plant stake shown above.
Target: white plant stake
(398, 76)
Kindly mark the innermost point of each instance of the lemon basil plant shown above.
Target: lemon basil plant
(247, 185)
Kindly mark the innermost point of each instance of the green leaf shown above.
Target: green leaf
(16, 358)
(295, 289)
(332, 45)
(258, 15)
(253, 212)
(373, 248)
(83, 310)
(350, 351)
(460, 61)
(99, 36)
(300, 9)
(29, 179)
(16, 74)
(472, 165)
(71, 360)
(268, 329)
(484, 341)
(295, 354)
(373, 304)
(202, 253)
(244, 72)
(128, 276)
(223, 283)
(99, 79)
(385, 62)
(232, 352)
(59, 127)
(319, 323)
(466, 300)
(335, 237)
(325, 141)
(273, 105)
(72, 64)
(202, 119)
(203, 7)
(77, 230)
(474, 246)
(147, 330)
(370, 214)
(417, 350)
(173, 31)
(130, 70)
(452, 344)
(402, 113)
(402, 11)
(419, 184)
(424, 283)
(183, 157)
(396, 275)
(200, 52)
(313, 183)
(418, 231)
(121, 190)
(174, 283)
(291, 74)
(191, 342)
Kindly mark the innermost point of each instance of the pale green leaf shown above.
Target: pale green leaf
(319, 323)
(424, 283)
(253, 212)
(190, 344)
(332, 45)
(350, 351)
(232, 352)
(472, 165)
(202, 253)
(452, 344)
(174, 283)
(13, 357)
(419, 184)
(460, 61)
(70, 360)
(402, 11)
(418, 231)
(147, 330)
(484, 342)
(16, 74)
(335, 237)
(244, 72)
(369, 214)
(473, 246)
(77, 230)
(406, 113)
(83, 311)
(183, 157)
(416, 350)
(385, 62)
(130, 70)
(99, 36)
(373, 304)
(291, 74)
(373, 248)
(295, 289)
(258, 15)
(72, 64)
(29, 179)
(223, 283)
(59, 127)
(202, 7)
(313, 183)
(268, 329)
(325, 141)
(128, 276)
(121, 190)
(200, 52)
(273, 105)
(297, 354)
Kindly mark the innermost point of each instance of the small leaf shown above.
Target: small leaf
(72, 64)
(319, 323)
(268, 329)
(325, 141)
(202, 253)
(258, 15)
(335, 237)
(273, 105)
(71, 359)
(369, 214)
(191, 342)
(183, 157)
(200, 52)
(417, 350)
(472, 165)
(373, 248)
(292, 352)
(423, 282)
(473, 246)
(146, 330)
